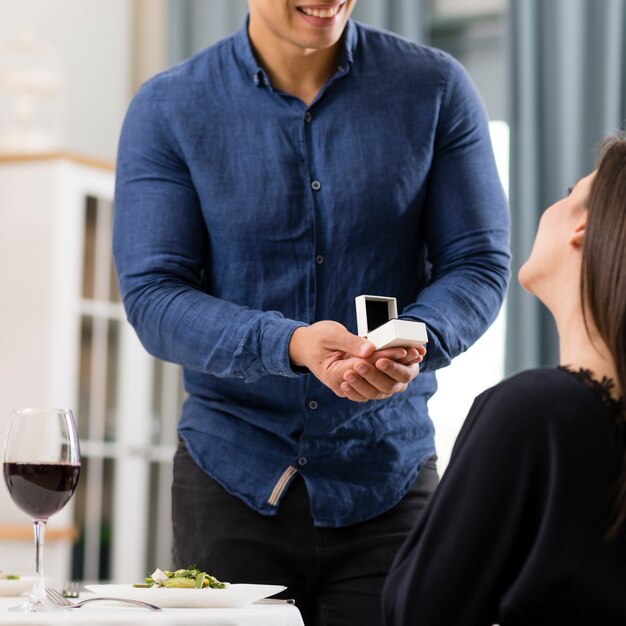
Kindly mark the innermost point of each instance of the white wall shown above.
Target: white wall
(94, 40)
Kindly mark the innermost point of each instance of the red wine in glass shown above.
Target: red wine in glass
(41, 470)
(41, 489)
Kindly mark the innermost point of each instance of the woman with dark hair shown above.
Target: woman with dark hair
(528, 525)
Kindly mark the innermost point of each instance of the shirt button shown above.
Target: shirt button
(319, 259)
(316, 185)
(256, 79)
(312, 405)
(308, 117)
(302, 461)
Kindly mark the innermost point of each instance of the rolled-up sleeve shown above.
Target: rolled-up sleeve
(160, 247)
(467, 224)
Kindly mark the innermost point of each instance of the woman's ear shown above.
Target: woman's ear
(578, 236)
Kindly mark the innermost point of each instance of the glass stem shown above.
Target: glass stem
(38, 594)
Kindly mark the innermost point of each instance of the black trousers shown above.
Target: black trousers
(335, 575)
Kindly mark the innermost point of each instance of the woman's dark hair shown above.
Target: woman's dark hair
(603, 276)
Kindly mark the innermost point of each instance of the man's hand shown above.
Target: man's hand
(380, 376)
(335, 356)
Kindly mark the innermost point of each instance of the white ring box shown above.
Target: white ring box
(377, 321)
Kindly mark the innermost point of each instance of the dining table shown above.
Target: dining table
(108, 614)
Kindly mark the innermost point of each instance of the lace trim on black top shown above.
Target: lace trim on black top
(602, 390)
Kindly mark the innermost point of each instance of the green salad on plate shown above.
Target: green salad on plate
(190, 578)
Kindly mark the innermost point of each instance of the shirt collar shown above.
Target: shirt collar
(245, 55)
(258, 76)
(348, 46)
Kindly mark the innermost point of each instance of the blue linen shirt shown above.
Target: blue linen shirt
(242, 214)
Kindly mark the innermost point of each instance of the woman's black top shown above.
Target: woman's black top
(516, 532)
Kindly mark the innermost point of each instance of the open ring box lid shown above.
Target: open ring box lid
(377, 321)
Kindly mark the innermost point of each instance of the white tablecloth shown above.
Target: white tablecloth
(101, 615)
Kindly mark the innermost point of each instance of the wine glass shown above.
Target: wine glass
(41, 470)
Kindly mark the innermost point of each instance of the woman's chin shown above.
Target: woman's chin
(524, 277)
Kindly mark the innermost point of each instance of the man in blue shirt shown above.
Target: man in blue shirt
(261, 185)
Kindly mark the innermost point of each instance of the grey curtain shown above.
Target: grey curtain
(196, 24)
(405, 17)
(568, 91)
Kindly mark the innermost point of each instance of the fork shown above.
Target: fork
(57, 598)
(70, 590)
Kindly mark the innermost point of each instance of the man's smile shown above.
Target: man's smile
(321, 11)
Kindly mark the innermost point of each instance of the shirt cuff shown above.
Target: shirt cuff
(275, 347)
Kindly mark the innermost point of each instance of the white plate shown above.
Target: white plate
(16, 587)
(233, 596)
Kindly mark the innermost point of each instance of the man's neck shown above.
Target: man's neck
(299, 72)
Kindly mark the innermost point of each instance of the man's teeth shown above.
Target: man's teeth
(320, 12)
